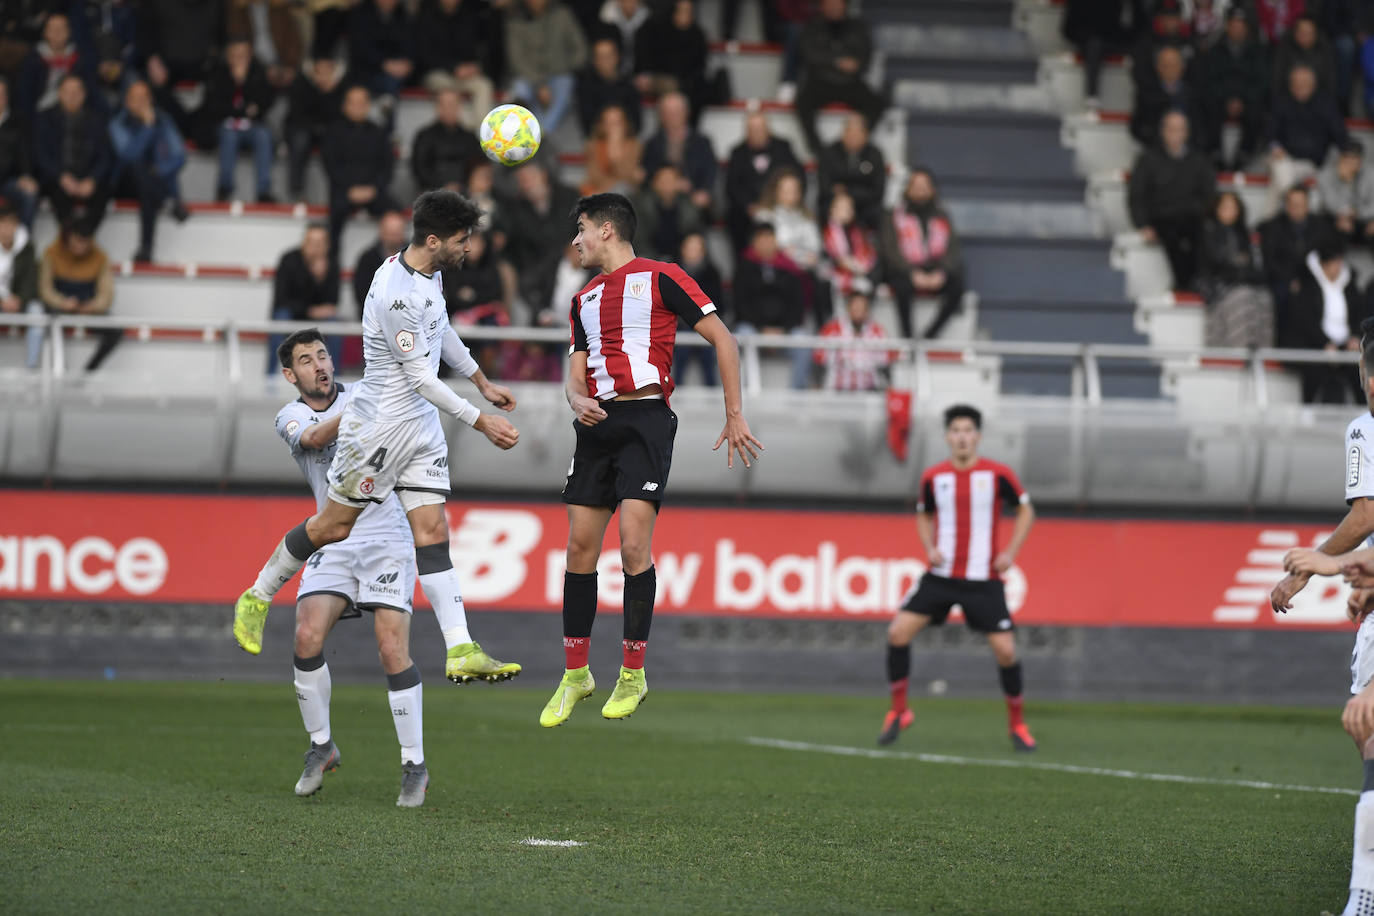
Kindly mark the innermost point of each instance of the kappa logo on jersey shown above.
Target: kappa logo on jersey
(405, 340)
(1356, 434)
(292, 427)
(388, 578)
(399, 305)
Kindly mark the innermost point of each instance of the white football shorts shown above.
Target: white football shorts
(375, 457)
(367, 574)
(1362, 659)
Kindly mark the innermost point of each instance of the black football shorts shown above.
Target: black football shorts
(625, 456)
(984, 603)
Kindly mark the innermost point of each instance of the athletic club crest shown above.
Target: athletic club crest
(637, 288)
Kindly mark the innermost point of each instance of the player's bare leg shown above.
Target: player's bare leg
(1358, 720)
(328, 526)
(465, 661)
(586, 531)
(315, 617)
(405, 697)
(1009, 673)
(900, 632)
(637, 517)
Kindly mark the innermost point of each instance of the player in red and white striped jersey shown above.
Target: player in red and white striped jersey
(624, 325)
(957, 515)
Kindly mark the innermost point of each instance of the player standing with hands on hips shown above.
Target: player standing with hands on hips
(390, 438)
(624, 325)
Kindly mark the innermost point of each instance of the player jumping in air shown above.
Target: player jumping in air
(624, 323)
(373, 569)
(965, 567)
(1332, 557)
(390, 437)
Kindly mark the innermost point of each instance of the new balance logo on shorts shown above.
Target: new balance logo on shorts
(387, 578)
(651, 487)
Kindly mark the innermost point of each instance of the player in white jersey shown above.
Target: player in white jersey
(373, 569)
(1334, 556)
(390, 438)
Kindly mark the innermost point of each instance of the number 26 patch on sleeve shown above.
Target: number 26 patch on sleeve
(405, 340)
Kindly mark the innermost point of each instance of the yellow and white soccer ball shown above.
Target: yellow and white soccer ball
(509, 134)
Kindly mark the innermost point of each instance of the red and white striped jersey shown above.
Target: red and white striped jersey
(626, 322)
(853, 369)
(966, 504)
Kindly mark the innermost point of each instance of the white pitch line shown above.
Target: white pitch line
(843, 751)
(535, 841)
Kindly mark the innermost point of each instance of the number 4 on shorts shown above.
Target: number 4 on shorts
(377, 460)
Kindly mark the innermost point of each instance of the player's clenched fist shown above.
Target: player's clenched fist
(498, 429)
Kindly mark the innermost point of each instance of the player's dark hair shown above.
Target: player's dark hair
(7, 208)
(615, 209)
(964, 411)
(287, 349)
(442, 213)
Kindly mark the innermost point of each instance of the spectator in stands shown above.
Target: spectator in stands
(72, 154)
(670, 56)
(614, 155)
(695, 261)
(854, 368)
(538, 229)
(17, 183)
(74, 278)
(1341, 23)
(272, 29)
(1325, 314)
(381, 50)
(678, 143)
(315, 102)
(1346, 190)
(21, 26)
(442, 152)
(358, 160)
(1285, 241)
(1306, 126)
(149, 155)
(482, 295)
(1240, 310)
(1304, 45)
(1170, 186)
(602, 84)
(835, 52)
(178, 40)
(921, 255)
(106, 32)
(306, 288)
(533, 361)
(51, 59)
(329, 22)
(1207, 22)
(1169, 90)
(855, 165)
(544, 48)
(237, 96)
(850, 260)
(1234, 83)
(752, 163)
(460, 49)
(481, 190)
(19, 275)
(768, 298)
(1276, 17)
(1099, 29)
(1167, 28)
(391, 238)
(797, 236)
(666, 215)
(625, 17)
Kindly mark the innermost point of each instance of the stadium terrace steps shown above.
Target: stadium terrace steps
(976, 13)
(1040, 20)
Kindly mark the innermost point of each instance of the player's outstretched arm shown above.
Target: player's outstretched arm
(584, 406)
(925, 530)
(1025, 518)
(456, 354)
(736, 433)
(1357, 525)
(321, 435)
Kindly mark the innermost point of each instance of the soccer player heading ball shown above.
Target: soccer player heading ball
(624, 323)
(963, 496)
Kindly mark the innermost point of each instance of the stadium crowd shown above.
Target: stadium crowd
(1260, 87)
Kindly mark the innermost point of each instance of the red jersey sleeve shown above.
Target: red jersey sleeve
(681, 295)
(1009, 487)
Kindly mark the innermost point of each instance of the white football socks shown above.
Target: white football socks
(312, 693)
(446, 595)
(408, 715)
(1361, 901)
(278, 571)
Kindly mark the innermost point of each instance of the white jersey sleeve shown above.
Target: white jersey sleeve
(1359, 458)
(292, 421)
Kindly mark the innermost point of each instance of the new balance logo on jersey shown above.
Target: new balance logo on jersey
(398, 306)
(590, 298)
(388, 578)
(650, 487)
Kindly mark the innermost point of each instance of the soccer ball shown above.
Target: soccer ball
(509, 134)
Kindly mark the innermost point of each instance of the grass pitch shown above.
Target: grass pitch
(124, 797)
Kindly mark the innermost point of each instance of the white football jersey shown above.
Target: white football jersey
(1359, 461)
(404, 319)
(379, 521)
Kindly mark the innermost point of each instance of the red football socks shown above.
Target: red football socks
(634, 652)
(575, 649)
